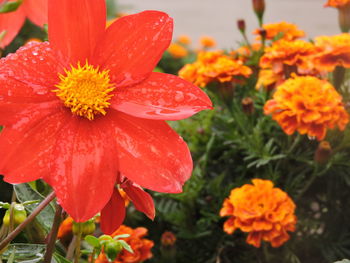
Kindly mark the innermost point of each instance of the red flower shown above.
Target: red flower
(85, 107)
(35, 10)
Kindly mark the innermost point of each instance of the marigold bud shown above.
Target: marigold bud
(262, 33)
(168, 239)
(259, 8)
(248, 105)
(344, 18)
(323, 152)
(241, 25)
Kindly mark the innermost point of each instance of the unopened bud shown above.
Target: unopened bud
(262, 33)
(248, 105)
(241, 25)
(168, 239)
(112, 248)
(323, 152)
(259, 8)
(86, 228)
(344, 18)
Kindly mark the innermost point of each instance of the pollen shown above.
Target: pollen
(85, 90)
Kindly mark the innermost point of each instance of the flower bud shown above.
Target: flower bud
(241, 25)
(19, 215)
(344, 18)
(248, 105)
(323, 152)
(262, 33)
(168, 239)
(87, 227)
(112, 248)
(259, 8)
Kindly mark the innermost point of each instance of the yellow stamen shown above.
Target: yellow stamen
(85, 90)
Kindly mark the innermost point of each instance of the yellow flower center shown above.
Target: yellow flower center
(85, 90)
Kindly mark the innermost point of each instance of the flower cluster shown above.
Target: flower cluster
(140, 245)
(307, 105)
(214, 66)
(281, 30)
(263, 211)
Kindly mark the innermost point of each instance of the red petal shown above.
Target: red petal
(133, 45)
(11, 23)
(162, 97)
(151, 154)
(36, 11)
(27, 144)
(83, 167)
(75, 27)
(29, 75)
(113, 214)
(142, 201)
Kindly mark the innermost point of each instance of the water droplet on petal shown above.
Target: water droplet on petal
(179, 96)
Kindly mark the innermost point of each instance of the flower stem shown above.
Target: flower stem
(29, 219)
(53, 235)
(77, 244)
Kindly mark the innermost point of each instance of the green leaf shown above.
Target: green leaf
(26, 193)
(126, 246)
(10, 6)
(343, 261)
(57, 258)
(92, 241)
(25, 253)
(121, 236)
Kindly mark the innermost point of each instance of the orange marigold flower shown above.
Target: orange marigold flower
(307, 105)
(177, 51)
(334, 51)
(284, 30)
(262, 210)
(207, 41)
(140, 245)
(65, 228)
(288, 54)
(214, 66)
(184, 39)
(268, 79)
(337, 3)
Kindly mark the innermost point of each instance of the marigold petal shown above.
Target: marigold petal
(161, 96)
(133, 45)
(75, 28)
(142, 200)
(83, 157)
(151, 154)
(113, 214)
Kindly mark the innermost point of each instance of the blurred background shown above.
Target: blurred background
(218, 18)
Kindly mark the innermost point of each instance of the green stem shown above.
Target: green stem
(29, 219)
(77, 244)
(53, 235)
(309, 183)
